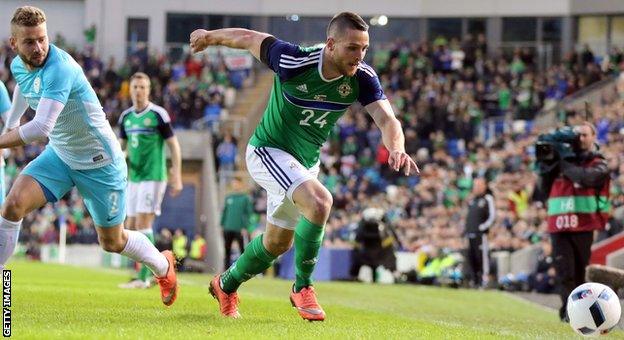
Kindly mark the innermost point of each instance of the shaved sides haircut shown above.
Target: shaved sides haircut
(343, 21)
(27, 16)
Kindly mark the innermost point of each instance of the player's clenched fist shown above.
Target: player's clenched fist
(199, 40)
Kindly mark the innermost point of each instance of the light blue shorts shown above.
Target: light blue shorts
(103, 189)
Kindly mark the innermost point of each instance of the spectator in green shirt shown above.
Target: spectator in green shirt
(237, 210)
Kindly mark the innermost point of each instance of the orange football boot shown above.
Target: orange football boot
(306, 304)
(168, 283)
(228, 303)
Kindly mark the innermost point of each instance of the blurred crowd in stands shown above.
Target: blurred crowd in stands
(465, 114)
(190, 88)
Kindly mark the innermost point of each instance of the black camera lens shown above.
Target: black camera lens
(544, 152)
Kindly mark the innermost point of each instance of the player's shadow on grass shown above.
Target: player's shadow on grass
(190, 317)
(195, 317)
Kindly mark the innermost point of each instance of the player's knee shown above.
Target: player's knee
(322, 203)
(14, 207)
(277, 246)
(112, 244)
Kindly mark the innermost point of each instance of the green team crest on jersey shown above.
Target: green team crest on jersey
(301, 113)
(145, 144)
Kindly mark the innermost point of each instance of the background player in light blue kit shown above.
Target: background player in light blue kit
(82, 150)
(5, 106)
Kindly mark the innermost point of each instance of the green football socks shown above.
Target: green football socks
(308, 240)
(254, 260)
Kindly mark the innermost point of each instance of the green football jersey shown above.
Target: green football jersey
(304, 106)
(146, 132)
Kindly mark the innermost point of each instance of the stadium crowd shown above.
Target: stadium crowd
(190, 88)
(465, 114)
(447, 101)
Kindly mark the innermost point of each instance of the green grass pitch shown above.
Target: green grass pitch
(54, 301)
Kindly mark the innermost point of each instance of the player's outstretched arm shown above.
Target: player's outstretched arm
(231, 37)
(392, 136)
(175, 172)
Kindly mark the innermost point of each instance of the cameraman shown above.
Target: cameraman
(577, 204)
(374, 244)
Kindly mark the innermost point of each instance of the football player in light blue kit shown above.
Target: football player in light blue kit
(5, 105)
(82, 150)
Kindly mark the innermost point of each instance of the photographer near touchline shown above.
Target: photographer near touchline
(577, 189)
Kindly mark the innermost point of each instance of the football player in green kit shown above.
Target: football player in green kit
(313, 88)
(144, 130)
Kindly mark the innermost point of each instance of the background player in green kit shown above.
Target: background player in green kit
(313, 88)
(144, 130)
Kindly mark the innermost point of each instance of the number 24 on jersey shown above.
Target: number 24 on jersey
(320, 121)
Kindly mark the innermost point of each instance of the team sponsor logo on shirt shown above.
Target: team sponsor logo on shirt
(303, 88)
(344, 89)
(37, 85)
(320, 97)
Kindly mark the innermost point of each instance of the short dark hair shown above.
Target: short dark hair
(346, 20)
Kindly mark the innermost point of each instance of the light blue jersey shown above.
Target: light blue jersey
(5, 105)
(81, 137)
(5, 101)
(83, 150)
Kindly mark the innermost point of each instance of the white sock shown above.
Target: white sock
(140, 249)
(9, 231)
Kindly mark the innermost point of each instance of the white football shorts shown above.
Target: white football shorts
(145, 197)
(279, 173)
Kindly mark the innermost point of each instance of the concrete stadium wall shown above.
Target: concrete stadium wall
(84, 255)
(596, 6)
(112, 27)
(523, 261)
(197, 145)
(193, 143)
(616, 259)
(602, 249)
